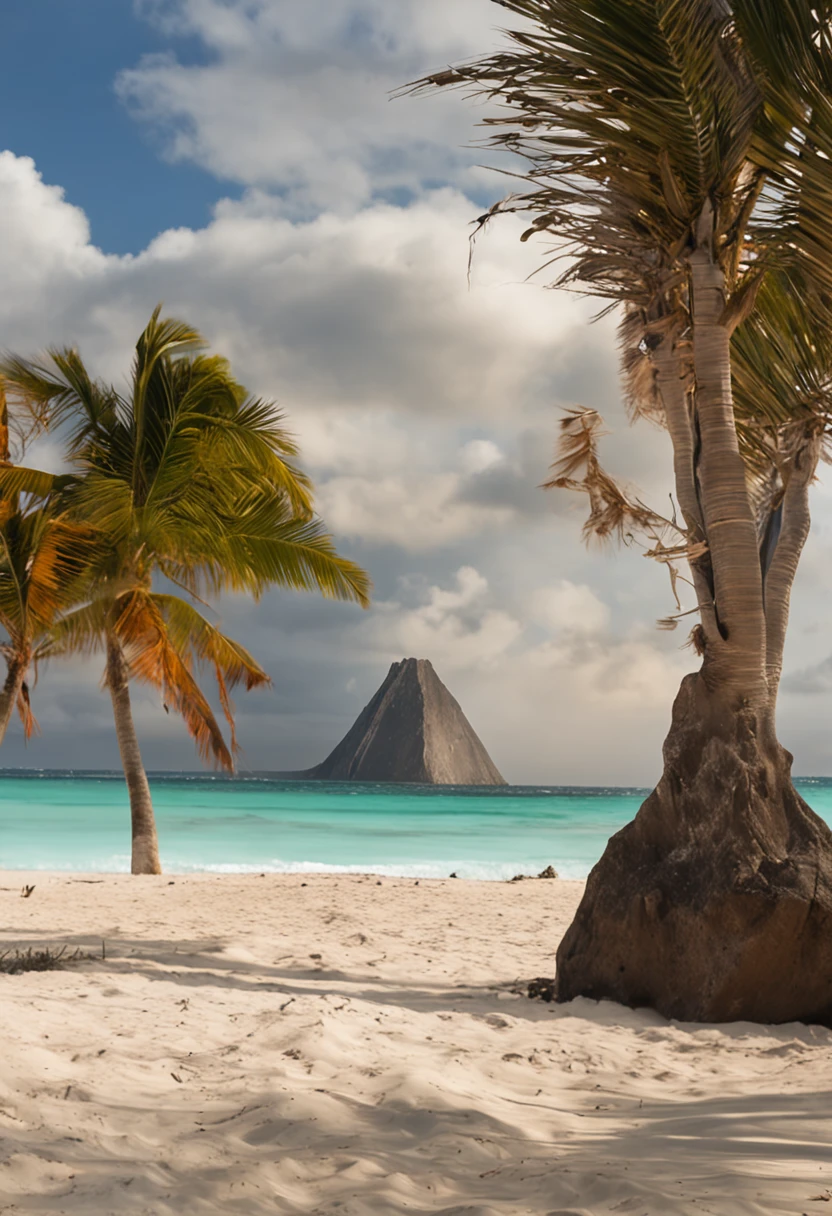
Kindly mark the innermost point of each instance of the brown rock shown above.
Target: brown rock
(715, 903)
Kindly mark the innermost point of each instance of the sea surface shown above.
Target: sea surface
(79, 821)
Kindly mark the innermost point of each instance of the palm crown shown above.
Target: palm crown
(680, 153)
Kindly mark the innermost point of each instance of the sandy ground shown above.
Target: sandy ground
(333, 1045)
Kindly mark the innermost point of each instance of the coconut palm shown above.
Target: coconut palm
(44, 562)
(678, 155)
(44, 558)
(188, 480)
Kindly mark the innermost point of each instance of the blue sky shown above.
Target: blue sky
(241, 160)
(66, 115)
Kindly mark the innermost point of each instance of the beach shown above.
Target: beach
(322, 1044)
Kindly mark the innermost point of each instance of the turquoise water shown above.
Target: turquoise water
(80, 821)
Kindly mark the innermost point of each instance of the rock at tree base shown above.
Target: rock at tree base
(715, 903)
(412, 731)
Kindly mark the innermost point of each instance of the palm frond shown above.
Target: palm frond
(24, 708)
(153, 659)
(191, 634)
(613, 513)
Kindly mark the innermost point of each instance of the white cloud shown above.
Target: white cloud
(425, 411)
(296, 97)
(479, 455)
(571, 609)
(362, 326)
(454, 627)
(416, 510)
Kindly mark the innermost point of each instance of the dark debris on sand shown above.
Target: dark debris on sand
(549, 872)
(541, 989)
(15, 962)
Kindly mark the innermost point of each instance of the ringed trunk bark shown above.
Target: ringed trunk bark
(145, 850)
(794, 533)
(674, 394)
(736, 657)
(715, 903)
(15, 676)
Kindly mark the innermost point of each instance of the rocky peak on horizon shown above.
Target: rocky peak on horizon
(412, 730)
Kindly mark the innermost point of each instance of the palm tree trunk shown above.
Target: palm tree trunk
(735, 660)
(15, 676)
(673, 391)
(780, 576)
(145, 852)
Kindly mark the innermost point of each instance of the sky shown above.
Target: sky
(245, 163)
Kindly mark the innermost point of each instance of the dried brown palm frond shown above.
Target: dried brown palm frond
(613, 513)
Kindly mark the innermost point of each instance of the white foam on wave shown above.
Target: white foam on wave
(116, 864)
(484, 871)
(480, 871)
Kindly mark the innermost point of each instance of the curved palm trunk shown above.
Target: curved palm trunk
(145, 853)
(715, 903)
(12, 687)
(794, 532)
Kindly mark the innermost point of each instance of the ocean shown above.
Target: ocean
(79, 821)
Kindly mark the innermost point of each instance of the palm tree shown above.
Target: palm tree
(44, 559)
(188, 479)
(679, 154)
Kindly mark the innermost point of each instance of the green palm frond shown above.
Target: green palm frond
(15, 480)
(81, 630)
(262, 544)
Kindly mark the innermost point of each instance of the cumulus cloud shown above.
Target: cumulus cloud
(456, 627)
(425, 411)
(362, 326)
(296, 97)
(571, 609)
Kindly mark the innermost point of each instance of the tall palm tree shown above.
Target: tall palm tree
(679, 154)
(188, 479)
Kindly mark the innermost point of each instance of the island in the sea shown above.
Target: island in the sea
(412, 730)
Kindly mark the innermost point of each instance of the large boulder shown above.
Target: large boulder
(715, 903)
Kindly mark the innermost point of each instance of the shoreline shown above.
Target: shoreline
(352, 1046)
(28, 873)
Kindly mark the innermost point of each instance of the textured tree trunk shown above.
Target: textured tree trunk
(674, 394)
(15, 676)
(145, 852)
(736, 655)
(794, 532)
(715, 903)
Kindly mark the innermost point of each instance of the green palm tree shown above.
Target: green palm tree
(678, 156)
(44, 559)
(188, 479)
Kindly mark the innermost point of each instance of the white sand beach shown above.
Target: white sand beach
(344, 1045)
